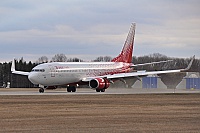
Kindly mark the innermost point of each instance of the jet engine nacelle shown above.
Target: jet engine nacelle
(99, 83)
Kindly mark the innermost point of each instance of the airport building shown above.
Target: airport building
(190, 81)
(152, 81)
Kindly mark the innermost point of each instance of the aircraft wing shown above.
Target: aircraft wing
(151, 63)
(140, 73)
(17, 72)
(21, 73)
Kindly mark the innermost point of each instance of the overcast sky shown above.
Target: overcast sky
(90, 28)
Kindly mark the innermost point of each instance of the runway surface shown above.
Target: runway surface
(87, 91)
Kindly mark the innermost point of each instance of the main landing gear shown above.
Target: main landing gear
(71, 89)
(100, 90)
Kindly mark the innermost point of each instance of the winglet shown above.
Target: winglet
(13, 65)
(189, 65)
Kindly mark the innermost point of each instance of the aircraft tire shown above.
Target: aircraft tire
(69, 89)
(102, 90)
(73, 88)
(41, 90)
(98, 90)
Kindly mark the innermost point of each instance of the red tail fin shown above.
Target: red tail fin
(127, 51)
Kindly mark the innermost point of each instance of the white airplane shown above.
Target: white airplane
(98, 75)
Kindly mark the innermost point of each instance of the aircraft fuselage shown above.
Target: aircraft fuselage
(64, 73)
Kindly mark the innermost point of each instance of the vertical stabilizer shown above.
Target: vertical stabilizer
(127, 51)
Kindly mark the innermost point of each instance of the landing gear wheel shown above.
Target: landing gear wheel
(102, 90)
(41, 90)
(71, 89)
(98, 90)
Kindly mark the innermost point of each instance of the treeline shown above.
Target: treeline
(21, 65)
(15, 80)
(176, 63)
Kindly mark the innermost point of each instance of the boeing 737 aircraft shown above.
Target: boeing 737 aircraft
(98, 75)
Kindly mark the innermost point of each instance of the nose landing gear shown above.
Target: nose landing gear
(41, 90)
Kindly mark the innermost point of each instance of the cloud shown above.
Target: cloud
(95, 28)
(172, 33)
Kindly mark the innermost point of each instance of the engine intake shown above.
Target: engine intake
(99, 83)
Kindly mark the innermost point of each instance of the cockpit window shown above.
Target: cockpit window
(38, 70)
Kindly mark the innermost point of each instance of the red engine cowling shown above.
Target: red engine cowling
(99, 83)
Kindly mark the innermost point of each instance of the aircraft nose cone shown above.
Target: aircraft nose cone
(33, 78)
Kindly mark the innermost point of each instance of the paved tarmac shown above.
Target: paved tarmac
(87, 91)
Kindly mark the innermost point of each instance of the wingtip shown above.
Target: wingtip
(13, 65)
(189, 65)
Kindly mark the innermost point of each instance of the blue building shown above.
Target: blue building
(152, 81)
(190, 81)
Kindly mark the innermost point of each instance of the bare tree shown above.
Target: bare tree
(158, 56)
(42, 59)
(59, 58)
(103, 59)
(155, 57)
(74, 60)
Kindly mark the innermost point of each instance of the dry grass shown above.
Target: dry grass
(100, 113)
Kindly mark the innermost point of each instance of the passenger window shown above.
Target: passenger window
(38, 70)
(42, 70)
